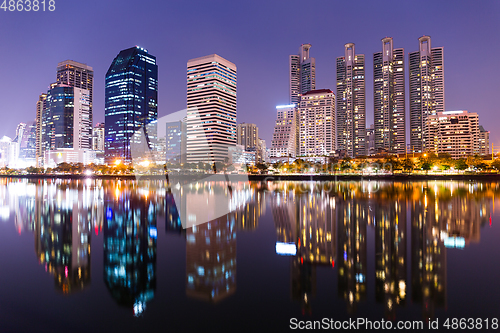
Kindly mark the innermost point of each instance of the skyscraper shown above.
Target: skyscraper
(317, 123)
(68, 118)
(41, 105)
(131, 104)
(77, 75)
(351, 123)
(426, 89)
(389, 98)
(211, 103)
(302, 74)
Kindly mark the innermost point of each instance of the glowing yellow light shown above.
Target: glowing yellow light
(118, 162)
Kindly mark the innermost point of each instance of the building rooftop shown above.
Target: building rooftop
(318, 91)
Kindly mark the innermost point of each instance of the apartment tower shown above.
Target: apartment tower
(426, 89)
(350, 122)
(389, 98)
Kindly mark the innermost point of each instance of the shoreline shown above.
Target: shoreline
(252, 177)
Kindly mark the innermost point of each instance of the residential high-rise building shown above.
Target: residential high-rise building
(350, 119)
(77, 75)
(426, 89)
(302, 73)
(131, 104)
(211, 103)
(286, 132)
(41, 105)
(247, 136)
(484, 141)
(317, 123)
(175, 144)
(389, 98)
(98, 137)
(453, 132)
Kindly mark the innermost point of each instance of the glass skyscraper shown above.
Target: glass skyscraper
(131, 103)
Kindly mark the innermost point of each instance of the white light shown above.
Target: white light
(285, 106)
(88, 172)
(286, 249)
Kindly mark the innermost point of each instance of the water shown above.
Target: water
(110, 255)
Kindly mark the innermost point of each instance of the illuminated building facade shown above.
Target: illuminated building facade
(66, 125)
(211, 103)
(389, 98)
(131, 105)
(317, 123)
(41, 105)
(286, 132)
(302, 73)
(426, 71)
(351, 102)
(453, 132)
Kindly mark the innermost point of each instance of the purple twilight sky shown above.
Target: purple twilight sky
(258, 36)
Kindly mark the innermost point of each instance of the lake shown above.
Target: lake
(95, 255)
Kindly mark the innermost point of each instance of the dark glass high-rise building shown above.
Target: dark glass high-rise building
(131, 103)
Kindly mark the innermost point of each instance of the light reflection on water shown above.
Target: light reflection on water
(317, 224)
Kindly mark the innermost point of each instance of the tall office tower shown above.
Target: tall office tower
(41, 105)
(302, 73)
(131, 105)
(426, 89)
(389, 98)
(351, 123)
(453, 132)
(66, 123)
(77, 75)
(317, 123)
(211, 103)
(286, 132)
(98, 137)
(247, 136)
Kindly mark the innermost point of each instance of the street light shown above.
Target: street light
(118, 162)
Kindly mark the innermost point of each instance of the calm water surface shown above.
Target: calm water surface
(110, 255)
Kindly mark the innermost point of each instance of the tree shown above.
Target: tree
(262, 167)
(496, 164)
(460, 164)
(408, 165)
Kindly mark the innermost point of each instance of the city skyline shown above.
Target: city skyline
(268, 79)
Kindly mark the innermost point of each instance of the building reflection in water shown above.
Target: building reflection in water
(211, 259)
(388, 210)
(305, 227)
(317, 224)
(352, 217)
(130, 234)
